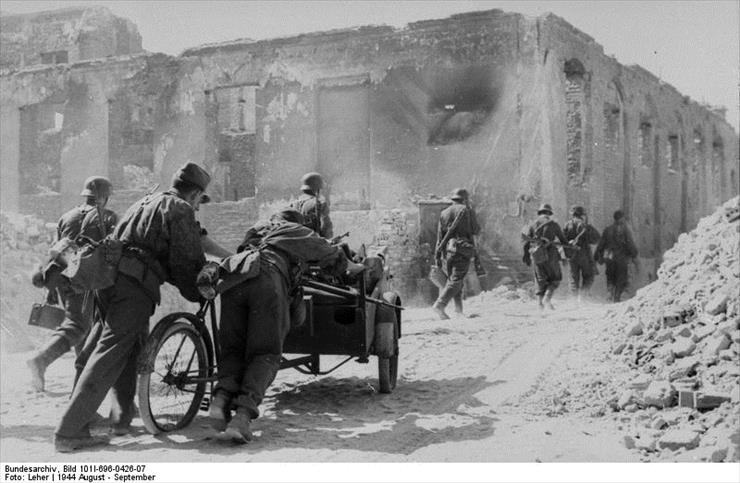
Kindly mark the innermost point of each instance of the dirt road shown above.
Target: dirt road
(481, 389)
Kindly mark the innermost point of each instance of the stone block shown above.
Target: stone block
(717, 303)
(682, 332)
(718, 455)
(711, 400)
(660, 394)
(627, 397)
(715, 345)
(664, 335)
(702, 331)
(640, 382)
(675, 439)
(659, 423)
(683, 347)
(683, 368)
(672, 319)
(635, 328)
(727, 355)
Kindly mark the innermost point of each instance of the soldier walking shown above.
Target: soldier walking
(162, 242)
(616, 249)
(82, 220)
(541, 252)
(580, 235)
(456, 246)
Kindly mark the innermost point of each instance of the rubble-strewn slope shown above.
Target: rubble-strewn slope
(669, 363)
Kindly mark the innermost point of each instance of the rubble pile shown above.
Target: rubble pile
(24, 243)
(679, 339)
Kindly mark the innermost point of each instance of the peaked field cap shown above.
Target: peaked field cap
(545, 208)
(459, 194)
(192, 173)
(96, 186)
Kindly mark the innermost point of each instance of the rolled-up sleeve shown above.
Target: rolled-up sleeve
(186, 256)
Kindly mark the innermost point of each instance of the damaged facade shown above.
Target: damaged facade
(519, 110)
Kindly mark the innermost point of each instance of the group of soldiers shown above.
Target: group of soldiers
(163, 242)
(543, 242)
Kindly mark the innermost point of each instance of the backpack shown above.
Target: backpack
(95, 265)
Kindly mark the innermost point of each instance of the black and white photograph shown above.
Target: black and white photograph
(330, 232)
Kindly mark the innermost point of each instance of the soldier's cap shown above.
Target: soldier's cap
(578, 210)
(96, 186)
(194, 174)
(545, 208)
(290, 214)
(459, 194)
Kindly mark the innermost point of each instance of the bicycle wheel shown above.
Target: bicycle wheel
(171, 389)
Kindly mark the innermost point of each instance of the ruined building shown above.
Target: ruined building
(520, 110)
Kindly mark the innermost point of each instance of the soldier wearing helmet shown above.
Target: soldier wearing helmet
(81, 223)
(580, 235)
(313, 207)
(455, 245)
(541, 252)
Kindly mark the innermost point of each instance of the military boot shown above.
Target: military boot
(53, 350)
(439, 309)
(219, 412)
(64, 444)
(238, 430)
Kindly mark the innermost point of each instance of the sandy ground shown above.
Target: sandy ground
(470, 390)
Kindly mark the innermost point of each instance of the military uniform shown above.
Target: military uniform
(315, 212)
(458, 251)
(161, 244)
(547, 275)
(616, 248)
(255, 314)
(580, 236)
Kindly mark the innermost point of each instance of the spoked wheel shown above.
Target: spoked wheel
(388, 366)
(174, 382)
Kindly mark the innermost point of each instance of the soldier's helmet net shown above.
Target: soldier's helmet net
(312, 182)
(97, 187)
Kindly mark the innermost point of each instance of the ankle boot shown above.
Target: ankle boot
(56, 347)
(238, 429)
(219, 411)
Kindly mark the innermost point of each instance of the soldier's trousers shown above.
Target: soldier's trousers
(582, 273)
(255, 318)
(457, 267)
(547, 276)
(78, 310)
(113, 349)
(617, 278)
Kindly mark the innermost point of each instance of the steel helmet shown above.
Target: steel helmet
(312, 181)
(545, 208)
(97, 187)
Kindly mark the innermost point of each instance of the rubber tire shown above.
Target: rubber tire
(388, 366)
(151, 349)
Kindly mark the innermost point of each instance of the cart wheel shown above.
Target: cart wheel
(388, 366)
(169, 398)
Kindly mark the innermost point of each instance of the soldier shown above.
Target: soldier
(81, 220)
(457, 227)
(255, 317)
(541, 252)
(162, 243)
(580, 235)
(616, 248)
(313, 207)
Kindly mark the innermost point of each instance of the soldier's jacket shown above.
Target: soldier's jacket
(616, 243)
(163, 228)
(293, 248)
(83, 220)
(587, 235)
(544, 227)
(315, 212)
(466, 228)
